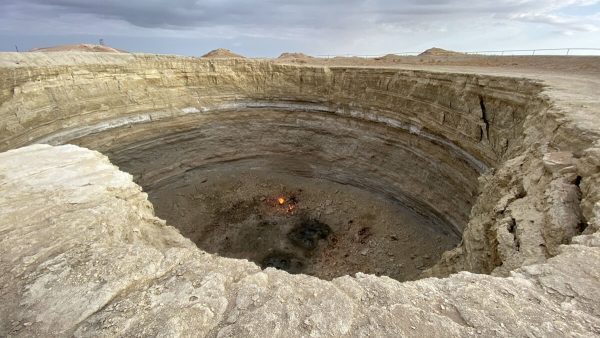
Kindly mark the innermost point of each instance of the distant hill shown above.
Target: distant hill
(439, 52)
(79, 48)
(284, 56)
(222, 53)
(389, 57)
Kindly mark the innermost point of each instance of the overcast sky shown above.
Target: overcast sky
(269, 27)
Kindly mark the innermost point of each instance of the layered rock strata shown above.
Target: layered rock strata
(475, 120)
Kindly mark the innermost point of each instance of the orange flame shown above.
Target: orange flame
(280, 200)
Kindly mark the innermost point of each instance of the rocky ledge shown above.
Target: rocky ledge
(83, 254)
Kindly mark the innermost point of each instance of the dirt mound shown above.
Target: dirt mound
(79, 48)
(286, 56)
(221, 53)
(439, 52)
(389, 57)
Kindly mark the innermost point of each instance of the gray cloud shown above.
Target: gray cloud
(184, 14)
(566, 23)
(312, 24)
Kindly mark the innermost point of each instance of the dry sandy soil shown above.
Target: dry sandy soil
(564, 65)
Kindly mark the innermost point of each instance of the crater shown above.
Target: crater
(313, 170)
(308, 192)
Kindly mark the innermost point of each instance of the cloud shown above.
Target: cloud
(566, 24)
(333, 24)
(332, 14)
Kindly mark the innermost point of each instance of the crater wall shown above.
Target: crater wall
(471, 122)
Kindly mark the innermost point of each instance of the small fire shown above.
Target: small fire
(286, 203)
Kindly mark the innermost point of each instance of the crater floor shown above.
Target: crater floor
(217, 176)
(324, 229)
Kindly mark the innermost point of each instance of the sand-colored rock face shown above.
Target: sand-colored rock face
(492, 157)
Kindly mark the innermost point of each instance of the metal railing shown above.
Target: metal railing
(507, 52)
(540, 51)
(366, 56)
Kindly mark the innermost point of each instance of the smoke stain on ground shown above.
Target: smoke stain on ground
(305, 236)
(308, 233)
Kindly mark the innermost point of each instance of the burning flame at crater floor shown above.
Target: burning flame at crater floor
(289, 204)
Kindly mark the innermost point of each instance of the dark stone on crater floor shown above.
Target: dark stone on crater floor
(308, 233)
(283, 261)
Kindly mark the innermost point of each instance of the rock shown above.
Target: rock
(564, 219)
(558, 161)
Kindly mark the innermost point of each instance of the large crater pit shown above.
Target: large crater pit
(307, 191)
(314, 170)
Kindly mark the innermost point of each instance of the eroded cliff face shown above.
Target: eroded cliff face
(489, 157)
